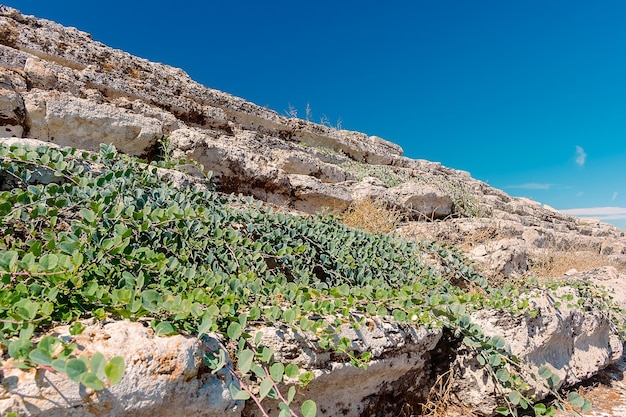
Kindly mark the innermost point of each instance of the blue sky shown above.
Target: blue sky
(528, 96)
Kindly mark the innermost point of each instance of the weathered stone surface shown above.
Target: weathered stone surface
(422, 201)
(505, 257)
(115, 73)
(575, 344)
(12, 110)
(164, 377)
(399, 372)
(71, 121)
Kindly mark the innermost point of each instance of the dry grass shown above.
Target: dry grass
(439, 402)
(372, 216)
(551, 261)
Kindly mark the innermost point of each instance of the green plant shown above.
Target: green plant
(164, 158)
(104, 236)
(387, 174)
(465, 202)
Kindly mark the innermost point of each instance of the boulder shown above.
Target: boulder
(422, 201)
(575, 344)
(164, 376)
(503, 258)
(399, 371)
(66, 120)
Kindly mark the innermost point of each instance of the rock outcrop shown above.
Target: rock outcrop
(61, 86)
(58, 85)
(164, 376)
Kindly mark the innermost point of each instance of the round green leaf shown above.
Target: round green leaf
(495, 360)
(165, 328)
(97, 363)
(244, 362)
(576, 400)
(76, 328)
(114, 370)
(48, 262)
(292, 370)
(151, 300)
(88, 215)
(205, 326)
(502, 411)
(59, 365)
(265, 387)
(238, 394)
(399, 315)
(554, 380)
(544, 372)
(90, 380)
(8, 260)
(277, 371)
(74, 368)
(502, 375)
(19, 349)
(309, 409)
(291, 394)
(234, 330)
(266, 354)
(498, 342)
(515, 397)
(40, 357)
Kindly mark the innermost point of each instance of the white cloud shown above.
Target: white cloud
(532, 186)
(581, 156)
(600, 213)
(614, 196)
(580, 194)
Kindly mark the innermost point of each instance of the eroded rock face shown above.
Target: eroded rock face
(164, 377)
(12, 109)
(57, 84)
(399, 372)
(505, 257)
(424, 202)
(573, 343)
(70, 121)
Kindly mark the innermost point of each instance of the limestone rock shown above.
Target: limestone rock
(86, 64)
(423, 201)
(399, 371)
(71, 121)
(575, 344)
(164, 376)
(12, 110)
(505, 257)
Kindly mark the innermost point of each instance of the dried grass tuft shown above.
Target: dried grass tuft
(439, 402)
(372, 216)
(552, 262)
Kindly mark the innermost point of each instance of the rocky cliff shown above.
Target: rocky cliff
(59, 86)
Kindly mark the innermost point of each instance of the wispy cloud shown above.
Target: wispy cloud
(532, 186)
(600, 213)
(581, 155)
(614, 196)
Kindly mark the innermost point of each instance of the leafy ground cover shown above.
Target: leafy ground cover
(104, 236)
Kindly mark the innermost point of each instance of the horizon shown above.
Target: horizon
(529, 98)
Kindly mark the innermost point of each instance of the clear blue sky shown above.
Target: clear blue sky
(529, 96)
